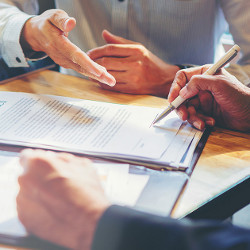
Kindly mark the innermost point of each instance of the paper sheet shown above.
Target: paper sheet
(120, 186)
(93, 128)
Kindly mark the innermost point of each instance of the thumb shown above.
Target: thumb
(110, 38)
(199, 83)
(62, 21)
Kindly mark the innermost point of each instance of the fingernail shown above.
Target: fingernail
(111, 82)
(197, 125)
(180, 114)
(97, 71)
(24, 156)
(210, 122)
(183, 92)
(65, 24)
(107, 78)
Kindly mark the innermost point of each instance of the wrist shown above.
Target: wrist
(27, 40)
(169, 72)
(86, 236)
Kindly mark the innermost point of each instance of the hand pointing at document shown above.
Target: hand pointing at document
(48, 33)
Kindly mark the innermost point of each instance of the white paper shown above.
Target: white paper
(89, 127)
(9, 172)
(80, 124)
(121, 187)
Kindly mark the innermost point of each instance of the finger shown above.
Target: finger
(182, 78)
(74, 58)
(68, 64)
(199, 120)
(37, 164)
(112, 63)
(178, 83)
(62, 21)
(120, 77)
(209, 121)
(195, 102)
(41, 222)
(196, 84)
(206, 102)
(182, 112)
(117, 50)
(194, 119)
(105, 78)
(24, 156)
(111, 38)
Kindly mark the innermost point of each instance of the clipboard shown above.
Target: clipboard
(169, 184)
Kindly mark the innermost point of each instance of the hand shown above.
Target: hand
(136, 69)
(220, 98)
(48, 32)
(60, 198)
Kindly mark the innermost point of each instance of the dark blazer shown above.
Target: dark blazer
(122, 228)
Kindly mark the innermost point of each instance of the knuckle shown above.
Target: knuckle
(57, 13)
(195, 79)
(141, 51)
(137, 64)
(81, 70)
(21, 180)
(103, 61)
(109, 48)
(59, 16)
(49, 46)
(137, 79)
(180, 74)
(86, 162)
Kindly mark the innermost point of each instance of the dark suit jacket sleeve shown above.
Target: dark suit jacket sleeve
(121, 228)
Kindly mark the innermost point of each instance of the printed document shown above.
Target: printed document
(93, 128)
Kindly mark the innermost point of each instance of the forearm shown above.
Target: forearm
(124, 228)
(12, 21)
(166, 77)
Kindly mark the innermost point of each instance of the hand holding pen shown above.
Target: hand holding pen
(219, 99)
(213, 69)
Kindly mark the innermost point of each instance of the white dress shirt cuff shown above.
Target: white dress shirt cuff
(11, 49)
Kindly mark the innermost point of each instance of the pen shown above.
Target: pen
(211, 71)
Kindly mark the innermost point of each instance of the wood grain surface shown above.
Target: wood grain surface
(225, 159)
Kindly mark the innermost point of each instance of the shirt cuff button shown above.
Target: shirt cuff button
(18, 59)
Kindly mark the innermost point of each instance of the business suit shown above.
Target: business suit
(122, 228)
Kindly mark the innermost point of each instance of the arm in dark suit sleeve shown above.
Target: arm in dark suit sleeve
(121, 228)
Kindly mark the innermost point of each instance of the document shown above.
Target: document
(101, 129)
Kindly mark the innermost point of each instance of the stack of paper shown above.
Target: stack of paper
(101, 129)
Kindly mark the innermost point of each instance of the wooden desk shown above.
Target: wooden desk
(225, 160)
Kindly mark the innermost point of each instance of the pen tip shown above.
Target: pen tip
(151, 125)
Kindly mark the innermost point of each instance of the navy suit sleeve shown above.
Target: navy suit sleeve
(122, 228)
